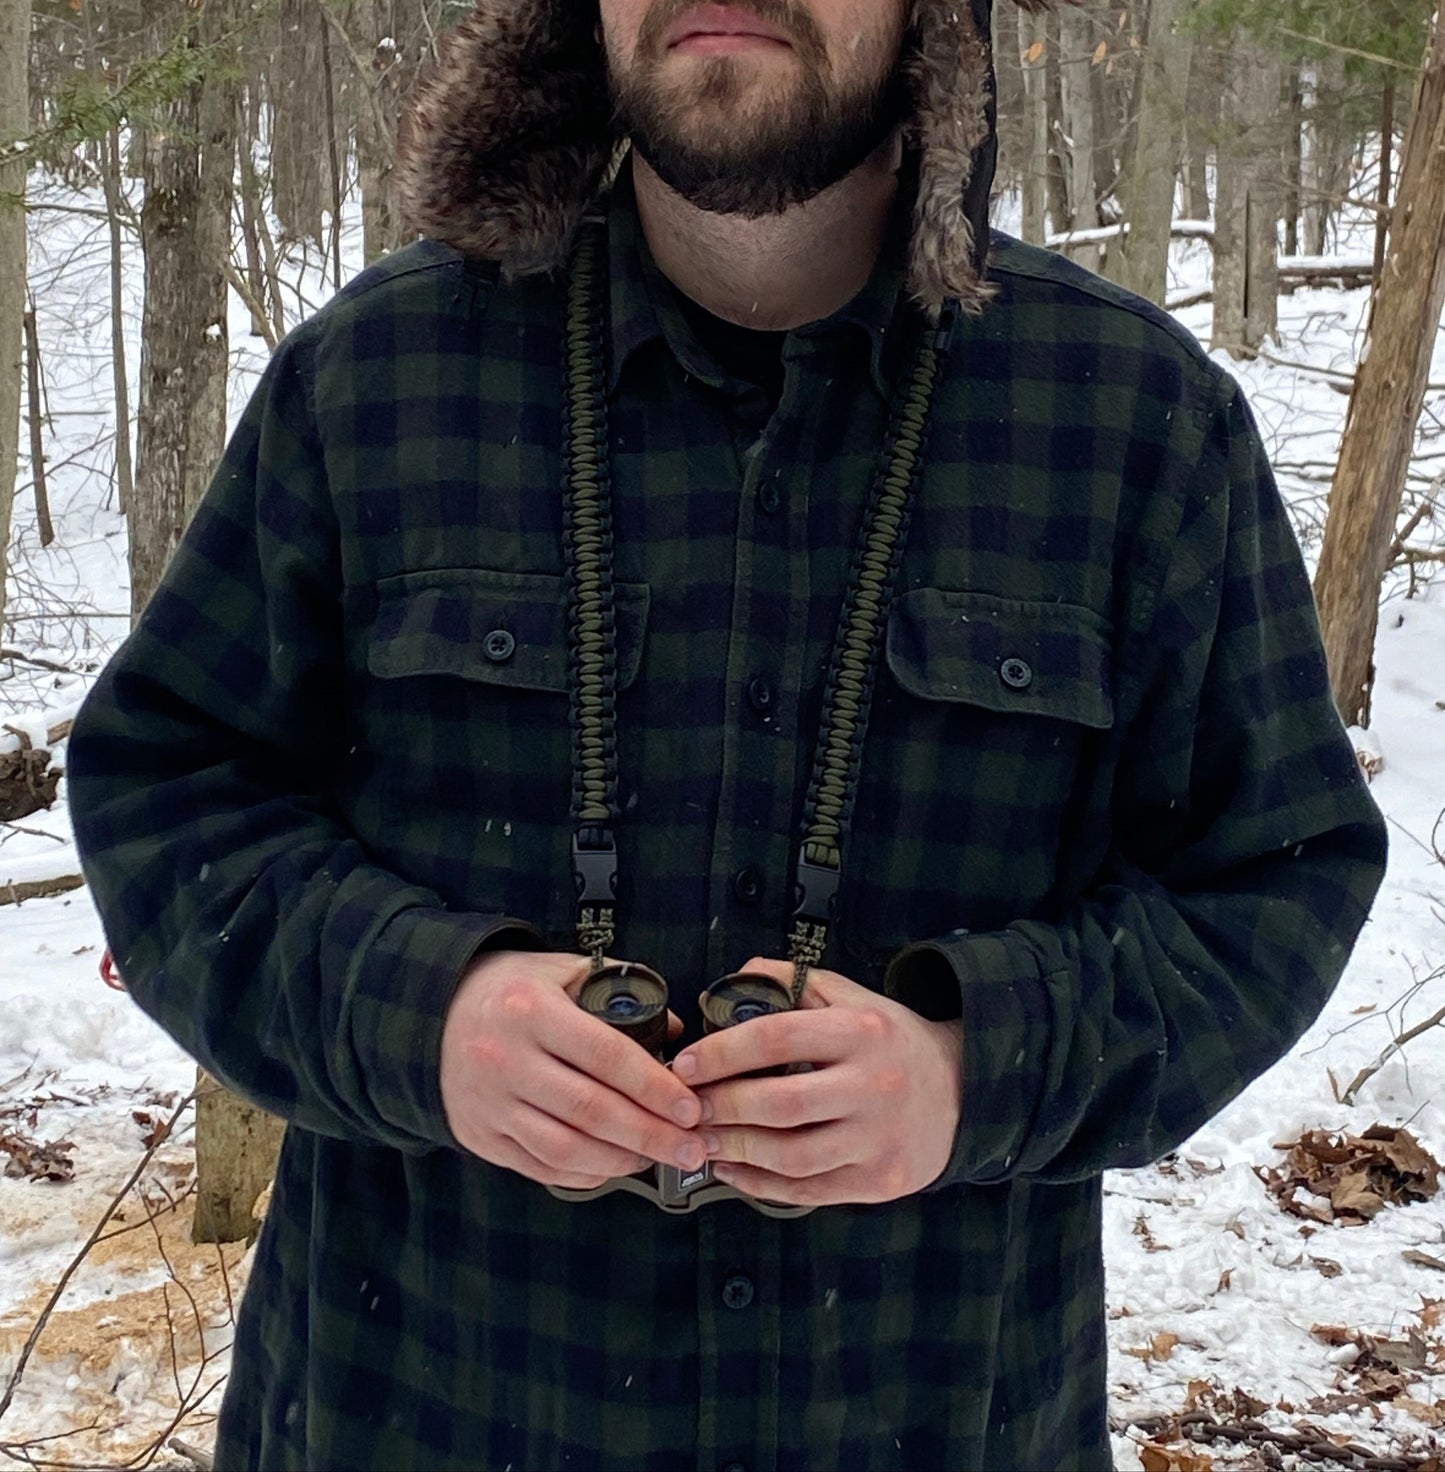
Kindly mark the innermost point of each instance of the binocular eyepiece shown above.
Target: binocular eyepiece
(633, 999)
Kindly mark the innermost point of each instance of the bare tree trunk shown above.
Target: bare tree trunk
(1248, 205)
(1385, 404)
(1326, 151)
(185, 232)
(236, 1149)
(14, 123)
(36, 417)
(1076, 90)
(119, 372)
(1200, 127)
(1142, 261)
(1387, 158)
(1293, 158)
(1033, 58)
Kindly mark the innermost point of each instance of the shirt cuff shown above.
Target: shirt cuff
(407, 980)
(996, 986)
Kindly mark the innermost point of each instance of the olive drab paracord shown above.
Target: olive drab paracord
(592, 684)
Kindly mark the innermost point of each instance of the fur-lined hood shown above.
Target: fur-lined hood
(509, 139)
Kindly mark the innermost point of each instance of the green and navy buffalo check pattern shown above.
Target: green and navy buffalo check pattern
(1107, 815)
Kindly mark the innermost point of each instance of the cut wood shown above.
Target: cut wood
(12, 893)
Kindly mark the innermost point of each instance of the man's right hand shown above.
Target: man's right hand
(530, 1082)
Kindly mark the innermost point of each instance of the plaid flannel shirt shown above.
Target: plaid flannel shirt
(1107, 816)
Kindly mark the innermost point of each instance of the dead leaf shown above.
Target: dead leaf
(1431, 1415)
(1159, 1348)
(1226, 1278)
(40, 1161)
(1405, 1354)
(1101, 51)
(1155, 1457)
(1423, 1259)
(1328, 1267)
(1432, 1311)
(1034, 53)
(1357, 1175)
(1334, 1334)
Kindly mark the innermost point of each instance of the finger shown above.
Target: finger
(820, 1036)
(674, 1026)
(824, 988)
(796, 1154)
(837, 1188)
(561, 1148)
(511, 1156)
(583, 1104)
(785, 1103)
(613, 1059)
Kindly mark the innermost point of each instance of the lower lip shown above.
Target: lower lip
(727, 45)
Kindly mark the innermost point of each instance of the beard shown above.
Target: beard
(731, 143)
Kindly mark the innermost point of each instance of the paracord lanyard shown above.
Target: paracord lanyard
(848, 693)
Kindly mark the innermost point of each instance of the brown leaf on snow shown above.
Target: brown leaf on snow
(1336, 1334)
(1142, 1232)
(1432, 1312)
(1431, 1415)
(1159, 1348)
(47, 1161)
(1423, 1259)
(1155, 1457)
(1328, 1267)
(1352, 1177)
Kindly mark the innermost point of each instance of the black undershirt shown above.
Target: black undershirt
(741, 352)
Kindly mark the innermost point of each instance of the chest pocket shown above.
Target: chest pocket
(982, 752)
(461, 772)
(1014, 658)
(495, 628)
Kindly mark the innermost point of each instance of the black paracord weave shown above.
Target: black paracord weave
(592, 635)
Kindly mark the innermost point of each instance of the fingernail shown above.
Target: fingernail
(706, 1113)
(684, 1065)
(712, 1142)
(686, 1112)
(691, 1155)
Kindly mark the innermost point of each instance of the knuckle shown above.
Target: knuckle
(873, 1023)
(790, 1101)
(890, 1083)
(515, 998)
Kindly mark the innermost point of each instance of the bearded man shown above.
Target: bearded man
(718, 556)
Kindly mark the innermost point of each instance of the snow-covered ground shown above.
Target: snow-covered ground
(1220, 1301)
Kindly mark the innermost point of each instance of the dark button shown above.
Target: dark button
(770, 498)
(748, 885)
(738, 1291)
(499, 645)
(1017, 674)
(760, 694)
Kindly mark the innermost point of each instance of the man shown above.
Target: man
(727, 565)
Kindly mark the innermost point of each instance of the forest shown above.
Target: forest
(184, 182)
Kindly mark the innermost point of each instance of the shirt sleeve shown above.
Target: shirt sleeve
(243, 914)
(1246, 854)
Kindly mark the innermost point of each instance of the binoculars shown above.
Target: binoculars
(633, 999)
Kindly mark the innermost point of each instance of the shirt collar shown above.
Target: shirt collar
(644, 308)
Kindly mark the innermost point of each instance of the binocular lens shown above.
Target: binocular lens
(743, 997)
(632, 999)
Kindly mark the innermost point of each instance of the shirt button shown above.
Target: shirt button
(770, 498)
(760, 694)
(1017, 674)
(498, 646)
(748, 885)
(738, 1291)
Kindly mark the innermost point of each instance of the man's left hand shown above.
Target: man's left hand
(875, 1118)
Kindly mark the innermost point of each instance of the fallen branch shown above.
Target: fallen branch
(1371, 1069)
(39, 889)
(193, 1454)
(1306, 1440)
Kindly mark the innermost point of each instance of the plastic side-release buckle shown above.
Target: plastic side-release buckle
(816, 891)
(594, 866)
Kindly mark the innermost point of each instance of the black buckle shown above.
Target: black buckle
(816, 889)
(594, 866)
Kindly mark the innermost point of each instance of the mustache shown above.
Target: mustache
(788, 16)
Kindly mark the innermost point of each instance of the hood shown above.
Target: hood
(509, 138)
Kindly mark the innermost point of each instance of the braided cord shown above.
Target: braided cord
(592, 642)
(848, 696)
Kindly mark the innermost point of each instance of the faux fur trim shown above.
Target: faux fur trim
(509, 136)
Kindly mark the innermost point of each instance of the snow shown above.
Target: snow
(1211, 1286)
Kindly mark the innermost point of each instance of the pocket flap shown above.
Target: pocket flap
(496, 627)
(1048, 659)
